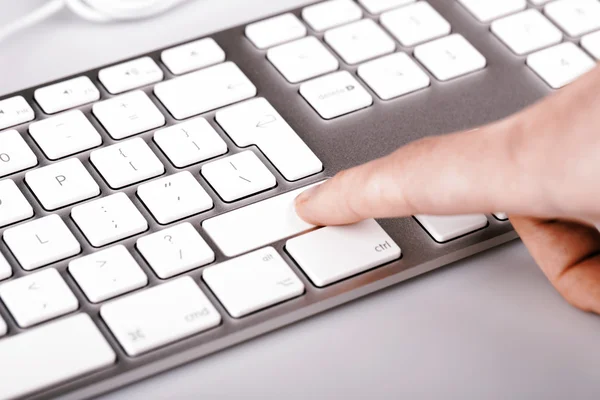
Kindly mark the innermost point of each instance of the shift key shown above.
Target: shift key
(257, 225)
(333, 253)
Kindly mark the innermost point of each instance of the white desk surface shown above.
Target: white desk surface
(490, 327)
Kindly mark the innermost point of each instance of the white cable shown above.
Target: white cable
(93, 10)
(119, 10)
(45, 11)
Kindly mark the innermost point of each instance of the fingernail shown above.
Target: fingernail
(306, 195)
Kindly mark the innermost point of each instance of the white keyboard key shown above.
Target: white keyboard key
(450, 57)
(130, 75)
(107, 274)
(190, 142)
(15, 154)
(415, 23)
(126, 163)
(14, 111)
(174, 197)
(331, 13)
(175, 250)
(128, 115)
(5, 269)
(62, 184)
(275, 30)
(446, 228)
(560, 65)
(488, 10)
(526, 31)
(359, 41)
(302, 59)
(194, 55)
(335, 94)
(591, 43)
(52, 354)
(393, 75)
(109, 219)
(205, 90)
(256, 225)
(41, 242)
(67, 94)
(14, 207)
(38, 297)
(253, 282)
(65, 134)
(333, 253)
(501, 216)
(160, 315)
(576, 17)
(238, 176)
(3, 330)
(256, 122)
(377, 6)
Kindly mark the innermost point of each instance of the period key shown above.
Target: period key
(333, 253)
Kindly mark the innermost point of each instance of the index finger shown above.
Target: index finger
(459, 173)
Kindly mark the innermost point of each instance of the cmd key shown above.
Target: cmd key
(158, 316)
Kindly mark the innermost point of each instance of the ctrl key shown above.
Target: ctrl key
(333, 253)
(160, 315)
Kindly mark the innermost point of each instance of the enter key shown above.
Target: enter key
(333, 253)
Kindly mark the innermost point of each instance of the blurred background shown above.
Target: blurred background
(65, 44)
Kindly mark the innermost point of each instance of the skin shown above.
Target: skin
(540, 166)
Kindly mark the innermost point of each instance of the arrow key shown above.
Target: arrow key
(393, 75)
(302, 59)
(38, 297)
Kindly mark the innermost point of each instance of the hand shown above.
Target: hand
(541, 166)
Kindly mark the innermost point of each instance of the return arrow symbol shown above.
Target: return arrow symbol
(269, 119)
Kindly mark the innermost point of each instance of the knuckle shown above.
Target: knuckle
(574, 292)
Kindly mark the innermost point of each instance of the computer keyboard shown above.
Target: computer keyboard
(146, 208)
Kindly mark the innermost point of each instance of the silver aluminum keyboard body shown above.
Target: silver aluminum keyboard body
(505, 86)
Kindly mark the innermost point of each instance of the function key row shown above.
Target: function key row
(116, 79)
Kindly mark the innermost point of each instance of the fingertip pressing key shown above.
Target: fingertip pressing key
(305, 202)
